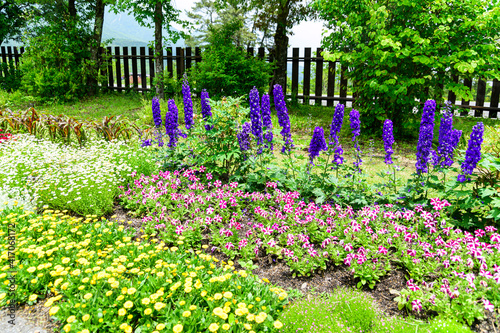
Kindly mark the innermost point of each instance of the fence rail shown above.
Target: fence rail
(310, 77)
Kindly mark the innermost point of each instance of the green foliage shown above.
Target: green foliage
(344, 310)
(444, 325)
(11, 20)
(11, 79)
(392, 64)
(55, 65)
(226, 70)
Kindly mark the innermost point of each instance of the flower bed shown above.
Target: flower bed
(449, 271)
(101, 279)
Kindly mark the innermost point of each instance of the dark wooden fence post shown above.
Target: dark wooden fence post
(343, 84)
(118, 67)
(295, 72)
(170, 67)
(261, 53)
(197, 53)
(180, 61)
(481, 92)
(468, 84)
(188, 58)
(307, 75)
(319, 76)
(151, 63)
(16, 57)
(331, 83)
(134, 68)
(144, 77)
(452, 97)
(109, 60)
(495, 94)
(126, 71)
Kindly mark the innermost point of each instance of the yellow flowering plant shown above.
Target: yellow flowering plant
(101, 278)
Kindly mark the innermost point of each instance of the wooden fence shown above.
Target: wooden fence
(312, 78)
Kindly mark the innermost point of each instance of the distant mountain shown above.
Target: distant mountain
(125, 31)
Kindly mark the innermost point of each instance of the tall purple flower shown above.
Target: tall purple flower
(244, 138)
(445, 149)
(266, 121)
(473, 153)
(283, 118)
(172, 123)
(356, 131)
(206, 110)
(336, 126)
(388, 137)
(255, 116)
(317, 144)
(156, 112)
(426, 134)
(188, 104)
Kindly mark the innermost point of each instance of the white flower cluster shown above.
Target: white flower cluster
(44, 172)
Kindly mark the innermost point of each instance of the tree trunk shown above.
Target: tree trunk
(281, 48)
(158, 18)
(94, 48)
(72, 8)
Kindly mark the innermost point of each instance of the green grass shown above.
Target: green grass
(348, 310)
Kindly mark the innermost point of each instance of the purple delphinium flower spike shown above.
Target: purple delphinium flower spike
(244, 138)
(172, 123)
(317, 144)
(444, 149)
(206, 110)
(266, 121)
(283, 118)
(156, 112)
(188, 104)
(255, 117)
(336, 126)
(454, 140)
(356, 131)
(388, 137)
(473, 153)
(426, 134)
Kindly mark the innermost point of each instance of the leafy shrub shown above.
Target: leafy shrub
(54, 66)
(132, 285)
(445, 325)
(11, 79)
(226, 69)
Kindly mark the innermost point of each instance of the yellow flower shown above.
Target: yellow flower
(66, 260)
(33, 281)
(128, 304)
(145, 301)
(148, 311)
(203, 293)
(226, 327)
(160, 326)
(257, 299)
(251, 317)
(86, 317)
(2, 296)
(31, 269)
(122, 312)
(188, 290)
(109, 292)
(228, 294)
(217, 296)
(192, 307)
(159, 306)
(123, 326)
(67, 328)
(85, 331)
(71, 319)
(182, 303)
(87, 296)
(119, 298)
(53, 310)
(278, 324)
(178, 328)
(33, 297)
(213, 327)
(186, 314)
(131, 291)
(248, 326)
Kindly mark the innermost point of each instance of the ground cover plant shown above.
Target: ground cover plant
(83, 180)
(98, 277)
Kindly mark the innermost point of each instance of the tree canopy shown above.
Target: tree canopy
(402, 52)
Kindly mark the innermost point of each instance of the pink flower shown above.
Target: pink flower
(179, 230)
(416, 305)
(312, 252)
(242, 244)
(229, 245)
(488, 306)
(209, 176)
(382, 250)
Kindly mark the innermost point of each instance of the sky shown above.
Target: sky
(306, 34)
